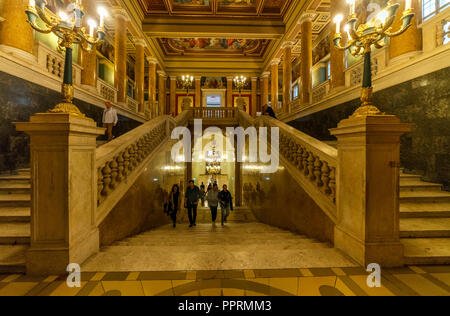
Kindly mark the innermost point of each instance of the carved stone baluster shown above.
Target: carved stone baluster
(114, 172)
(106, 171)
(132, 158)
(292, 151)
(99, 186)
(120, 163)
(305, 162)
(326, 178)
(299, 159)
(333, 184)
(139, 151)
(135, 160)
(311, 160)
(126, 163)
(318, 171)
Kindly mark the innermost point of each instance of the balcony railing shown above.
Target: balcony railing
(214, 113)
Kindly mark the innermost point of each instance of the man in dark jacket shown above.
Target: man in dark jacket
(191, 202)
(267, 110)
(226, 203)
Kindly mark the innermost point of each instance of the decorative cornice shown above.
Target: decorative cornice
(307, 17)
(121, 13)
(287, 44)
(162, 73)
(275, 61)
(152, 60)
(140, 42)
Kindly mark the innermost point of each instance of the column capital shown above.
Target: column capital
(230, 77)
(265, 74)
(140, 42)
(173, 77)
(162, 73)
(307, 17)
(121, 13)
(254, 78)
(152, 60)
(287, 44)
(198, 77)
(275, 61)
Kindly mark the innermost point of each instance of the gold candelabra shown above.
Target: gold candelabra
(361, 38)
(67, 26)
(240, 82)
(186, 81)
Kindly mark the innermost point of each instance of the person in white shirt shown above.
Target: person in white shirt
(109, 120)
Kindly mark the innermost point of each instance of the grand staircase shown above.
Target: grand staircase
(243, 243)
(15, 205)
(424, 221)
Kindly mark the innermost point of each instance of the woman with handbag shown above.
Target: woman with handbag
(174, 203)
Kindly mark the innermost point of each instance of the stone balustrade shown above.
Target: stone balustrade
(214, 113)
(321, 91)
(107, 91)
(132, 104)
(312, 162)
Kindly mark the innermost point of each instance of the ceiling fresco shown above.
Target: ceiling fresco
(273, 8)
(213, 46)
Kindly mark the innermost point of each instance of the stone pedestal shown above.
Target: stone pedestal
(64, 191)
(368, 189)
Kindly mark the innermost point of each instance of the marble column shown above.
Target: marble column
(88, 60)
(337, 57)
(265, 88)
(230, 92)
(238, 183)
(198, 91)
(254, 107)
(173, 95)
(410, 42)
(287, 76)
(162, 92)
(274, 83)
(16, 35)
(152, 63)
(139, 71)
(64, 197)
(368, 216)
(120, 77)
(306, 55)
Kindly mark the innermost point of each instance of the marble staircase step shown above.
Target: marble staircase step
(426, 251)
(12, 259)
(404, 176)
(15, 188)
(425, 228)
(9, 179)
(14, 214)
(416, 185)
(424, 210)
(14, 233)
(15, 200)
(425, 196)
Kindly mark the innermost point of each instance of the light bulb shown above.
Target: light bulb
(338, 19)
(32, 3)
(64, 17)
(347, 30)
(382, 16)
(92, 25)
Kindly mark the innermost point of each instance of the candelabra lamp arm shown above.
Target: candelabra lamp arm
(406, 23)
(32, 15)
(337, 42)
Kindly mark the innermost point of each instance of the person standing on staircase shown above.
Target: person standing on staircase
(110, 120)
(174, 203)
(192, 197)
(213, 202)
(226, 203)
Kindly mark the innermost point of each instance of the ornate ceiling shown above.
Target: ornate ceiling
(231, 8)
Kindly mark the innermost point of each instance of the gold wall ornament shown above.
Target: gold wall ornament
(67, 27)
(361, 38)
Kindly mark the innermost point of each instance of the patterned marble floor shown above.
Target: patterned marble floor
(409, 281)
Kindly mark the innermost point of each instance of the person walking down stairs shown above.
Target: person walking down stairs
(174, 203)
(226, 203)
(192, 197)
(110, 120)
(213, 202)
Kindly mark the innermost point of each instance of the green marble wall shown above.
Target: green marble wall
(425, 102)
